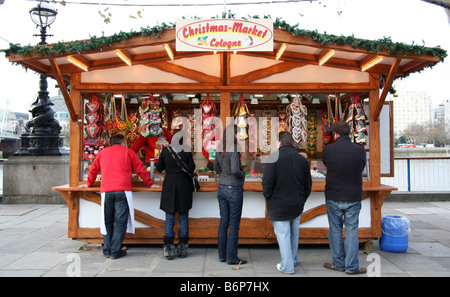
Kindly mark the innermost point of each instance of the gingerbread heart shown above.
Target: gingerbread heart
(92, 106)
(145, 131)
(92, 130)
(92, 118)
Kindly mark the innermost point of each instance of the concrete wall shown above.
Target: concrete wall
(29, 179)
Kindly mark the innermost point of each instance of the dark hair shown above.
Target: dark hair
(224, 141)
(117, 139)
(285, 138)
(341, 128)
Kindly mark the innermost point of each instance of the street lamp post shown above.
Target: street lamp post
(43, 133)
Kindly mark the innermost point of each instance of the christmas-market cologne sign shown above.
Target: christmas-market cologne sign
(224, 35)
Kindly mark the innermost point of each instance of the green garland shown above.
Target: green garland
(81, 46)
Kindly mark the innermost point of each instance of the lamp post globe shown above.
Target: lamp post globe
(43, 132)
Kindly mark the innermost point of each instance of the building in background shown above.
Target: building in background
(411, 107)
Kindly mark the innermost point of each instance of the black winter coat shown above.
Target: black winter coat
(176, 194)
(286, 185)
(345, 162)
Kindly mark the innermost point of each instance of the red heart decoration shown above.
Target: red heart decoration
(92, 118)
(207, 108)
(92, 106)
(92, 130)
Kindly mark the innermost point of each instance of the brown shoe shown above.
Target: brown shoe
(331, 267)
(361, 270)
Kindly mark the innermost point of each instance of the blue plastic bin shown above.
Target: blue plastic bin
(394, 234)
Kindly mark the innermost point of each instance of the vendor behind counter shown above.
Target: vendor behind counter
(151, 144)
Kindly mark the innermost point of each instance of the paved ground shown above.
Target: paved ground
(34, 243)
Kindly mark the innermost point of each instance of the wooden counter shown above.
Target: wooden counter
(203, 230)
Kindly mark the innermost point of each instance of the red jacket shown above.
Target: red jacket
(116, 164)
(149, 144)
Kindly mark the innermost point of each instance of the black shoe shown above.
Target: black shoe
(169, 251)
(121, 254)
(182, 250)
(239, 262)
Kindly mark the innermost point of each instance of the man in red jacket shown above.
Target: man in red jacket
(116, 164)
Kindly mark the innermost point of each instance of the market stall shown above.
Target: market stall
(140, 83)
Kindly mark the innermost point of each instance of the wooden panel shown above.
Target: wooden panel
(76, 134)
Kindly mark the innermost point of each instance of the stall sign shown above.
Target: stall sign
(224, 35)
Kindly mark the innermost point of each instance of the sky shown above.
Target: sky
(408, 21)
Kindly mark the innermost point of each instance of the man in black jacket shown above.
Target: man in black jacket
(345, 162)
(286, 186)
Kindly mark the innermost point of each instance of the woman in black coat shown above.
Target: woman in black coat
(176, 197)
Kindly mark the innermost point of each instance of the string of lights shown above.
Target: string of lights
(176, 4)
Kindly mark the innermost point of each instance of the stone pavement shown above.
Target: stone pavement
(34, 243)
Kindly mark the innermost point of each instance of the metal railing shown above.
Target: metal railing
(420, 174)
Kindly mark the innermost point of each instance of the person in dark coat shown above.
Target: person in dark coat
(286, 186)
(176, 197)
(345, 162)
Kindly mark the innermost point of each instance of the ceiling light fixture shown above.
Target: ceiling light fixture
(281, 51)
(325, 56)
(125, 56)
(79, 62)
(371, 63)
(169, 51)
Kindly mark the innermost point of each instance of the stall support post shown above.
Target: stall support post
(76, 132)
(224, 107)
(374, 133)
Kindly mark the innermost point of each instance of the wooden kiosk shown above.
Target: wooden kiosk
(301, 69)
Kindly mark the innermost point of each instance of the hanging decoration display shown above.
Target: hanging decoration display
(191, 117)
(150, 112)
(133, 128)
(241, 114)
(326, 134)
(116, 122)
(311, 142)
(267, 129)
(94, 117)
(282, 118)
(93, 143)
(329, 118)
(357, 120)
(209, 112)
(297, 124)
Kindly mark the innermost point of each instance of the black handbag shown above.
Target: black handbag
(185, 169)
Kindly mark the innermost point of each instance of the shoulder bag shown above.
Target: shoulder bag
(185, 169)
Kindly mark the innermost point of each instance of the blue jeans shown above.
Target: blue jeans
(230, 205)
(116, 218)
(287, 237)
(340, 213)
(170, 223)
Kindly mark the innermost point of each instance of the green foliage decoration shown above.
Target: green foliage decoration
(376, 46)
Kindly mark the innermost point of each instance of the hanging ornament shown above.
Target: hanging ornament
(209, 111)
(94, 117)
(241, 114)
(311, 142)
(357, 120)
(150, 113)
(297, 125)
